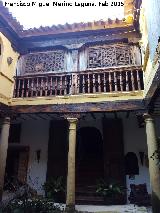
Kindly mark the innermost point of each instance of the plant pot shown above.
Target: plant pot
(114, 200)
(59, 197)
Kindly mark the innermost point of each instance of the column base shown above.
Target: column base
(70, 208)
(155, 203)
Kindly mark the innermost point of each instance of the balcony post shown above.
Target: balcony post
(153, 163)
(3, 151)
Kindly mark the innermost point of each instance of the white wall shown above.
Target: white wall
(36, 135)
(135, 141)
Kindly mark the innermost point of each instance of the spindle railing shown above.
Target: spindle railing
(85, 82)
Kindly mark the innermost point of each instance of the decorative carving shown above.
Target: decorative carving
(44, 62)
(110, 55)
(70, 116)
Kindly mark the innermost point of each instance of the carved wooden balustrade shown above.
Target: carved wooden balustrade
(104, 80)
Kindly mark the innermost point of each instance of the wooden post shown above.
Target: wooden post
(3, 151)
(70, 202)
(153, 163)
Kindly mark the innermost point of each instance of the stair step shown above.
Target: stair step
(89, 200)
(86, 192)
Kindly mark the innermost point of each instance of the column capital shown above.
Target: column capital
(148, 117)
(72, 120)
(72, 123)
(5, 120)
(71, 116)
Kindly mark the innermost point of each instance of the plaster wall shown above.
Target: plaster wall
(7, 72)
(36, 135)
(149, 20)
(134, 141)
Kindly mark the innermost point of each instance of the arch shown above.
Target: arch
(89, 140)
(89, 162)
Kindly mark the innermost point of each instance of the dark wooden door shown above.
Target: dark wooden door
(57, 149)
(23, 166)
(113, 151)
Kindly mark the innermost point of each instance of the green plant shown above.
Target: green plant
(35, 205)
(109, 189)
(54, 188)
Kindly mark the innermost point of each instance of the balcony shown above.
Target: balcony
(92, 81)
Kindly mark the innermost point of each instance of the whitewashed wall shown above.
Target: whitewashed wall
(135, 141)
(36, 135)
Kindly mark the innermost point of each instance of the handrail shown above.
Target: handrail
(84, 82)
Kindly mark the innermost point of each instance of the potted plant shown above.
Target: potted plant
(55, 189)
(113, 193)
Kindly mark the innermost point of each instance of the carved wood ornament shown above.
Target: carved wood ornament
(110, 55)
(44, 62)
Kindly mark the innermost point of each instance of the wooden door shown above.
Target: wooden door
(113, 151)
(57, 149)
(23, 166)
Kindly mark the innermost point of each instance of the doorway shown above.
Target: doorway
(89, 160)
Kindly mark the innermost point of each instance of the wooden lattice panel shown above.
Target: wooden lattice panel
(44, 62)
(110, 55)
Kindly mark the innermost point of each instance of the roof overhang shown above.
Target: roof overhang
(12, 29)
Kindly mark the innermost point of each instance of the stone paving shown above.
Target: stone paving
(113, 209)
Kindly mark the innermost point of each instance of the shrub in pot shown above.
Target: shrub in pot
(113, 193)
(55, 189)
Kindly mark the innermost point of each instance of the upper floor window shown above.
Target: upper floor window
(42, 62)
(111, 55)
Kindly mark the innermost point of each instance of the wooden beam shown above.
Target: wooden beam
(41, 116)
(93, 116)
(115, 115)
(104, 115)
(130, 105)
(32, 116)
(128, 114)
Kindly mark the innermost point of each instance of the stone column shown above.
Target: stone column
(70, 200)
(3, 150)
(153, 163)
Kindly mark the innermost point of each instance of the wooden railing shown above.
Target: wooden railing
(86, 82)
